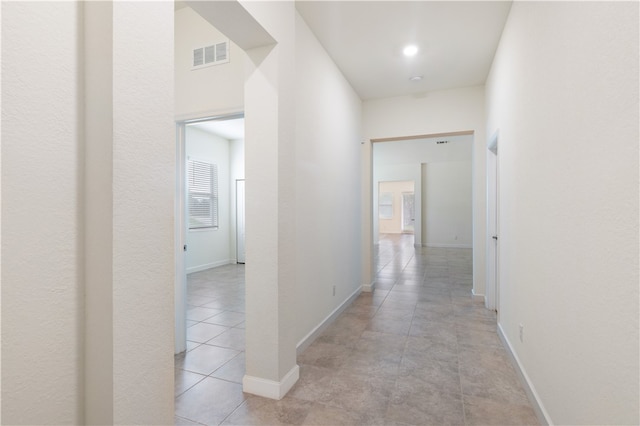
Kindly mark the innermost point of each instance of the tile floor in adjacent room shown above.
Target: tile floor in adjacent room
(416, 351)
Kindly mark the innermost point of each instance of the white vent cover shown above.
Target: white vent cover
(214, 54)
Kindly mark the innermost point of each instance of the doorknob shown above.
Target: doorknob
(495, 237)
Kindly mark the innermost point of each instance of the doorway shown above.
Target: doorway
(204, 226)
(396, 207)
(408, 212)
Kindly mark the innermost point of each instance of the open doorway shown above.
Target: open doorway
(210, 162)
(396, 207)
(437, 208)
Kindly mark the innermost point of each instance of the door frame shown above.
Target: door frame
(180, 224)
(493, 211)
(243, 219)
(370, 199)
(180, 221)
(413, 212)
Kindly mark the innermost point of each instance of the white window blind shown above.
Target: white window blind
(203, 194)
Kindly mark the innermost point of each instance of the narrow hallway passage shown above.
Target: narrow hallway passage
(416, 351)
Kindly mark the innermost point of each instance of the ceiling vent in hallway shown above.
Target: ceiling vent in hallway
(214, 54)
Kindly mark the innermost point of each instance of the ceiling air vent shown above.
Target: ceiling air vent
(214, 54)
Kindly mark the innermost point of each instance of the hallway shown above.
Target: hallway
(418, 350)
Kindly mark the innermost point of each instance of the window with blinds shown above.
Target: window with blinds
(203, 194)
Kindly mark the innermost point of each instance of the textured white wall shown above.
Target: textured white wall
(328, 134)
(447, 209)
(563, 92)
(210, 90)
(270, 202)
(434, 112)
(143, 181)
(41, 212)
(208, 248)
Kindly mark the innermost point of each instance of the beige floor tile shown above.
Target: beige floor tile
(323, 354)
(480, 411)
(323, 415)
(183, 380)
(233, 370)
(202, 332)
(263, 411)
(205, 359)
(361, 393)
(210, 401)
(226, 318)
(418, 350)
(499, 385)
(314, 383)
(179, 421)
(232, 338)
(424, 404)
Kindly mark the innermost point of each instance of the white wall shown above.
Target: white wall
(447, 209)
(432, 113)
(42, 348)
(217, 89)
(49, 214)
(208, 248)
(563, 93)
(328, 134)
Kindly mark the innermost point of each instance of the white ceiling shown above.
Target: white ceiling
(456, 41)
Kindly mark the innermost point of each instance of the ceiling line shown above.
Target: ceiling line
(431, 135)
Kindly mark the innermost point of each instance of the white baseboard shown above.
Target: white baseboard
(313, 334)
(368, 288)
(270, 388)
(541, 413)
(477, 297)
(209, 266)
(436, 245)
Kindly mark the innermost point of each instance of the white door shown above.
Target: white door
(408, 212)
(240, 228)
(491, 300)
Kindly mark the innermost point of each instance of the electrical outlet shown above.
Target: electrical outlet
(334, 290)
(521, 333)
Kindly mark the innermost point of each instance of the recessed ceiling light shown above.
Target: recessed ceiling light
(410, 50)
(415, 78)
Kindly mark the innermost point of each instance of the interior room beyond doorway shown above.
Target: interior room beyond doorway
(396, 207)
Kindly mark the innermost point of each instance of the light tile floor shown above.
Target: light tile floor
(416, 351)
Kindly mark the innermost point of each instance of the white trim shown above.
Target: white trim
(368, 288)
(465, 246)
(180, 228)
(270, 388)
(478, 297)
(313, 334)
(206, 266)
(541, 413)
(207, 115)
